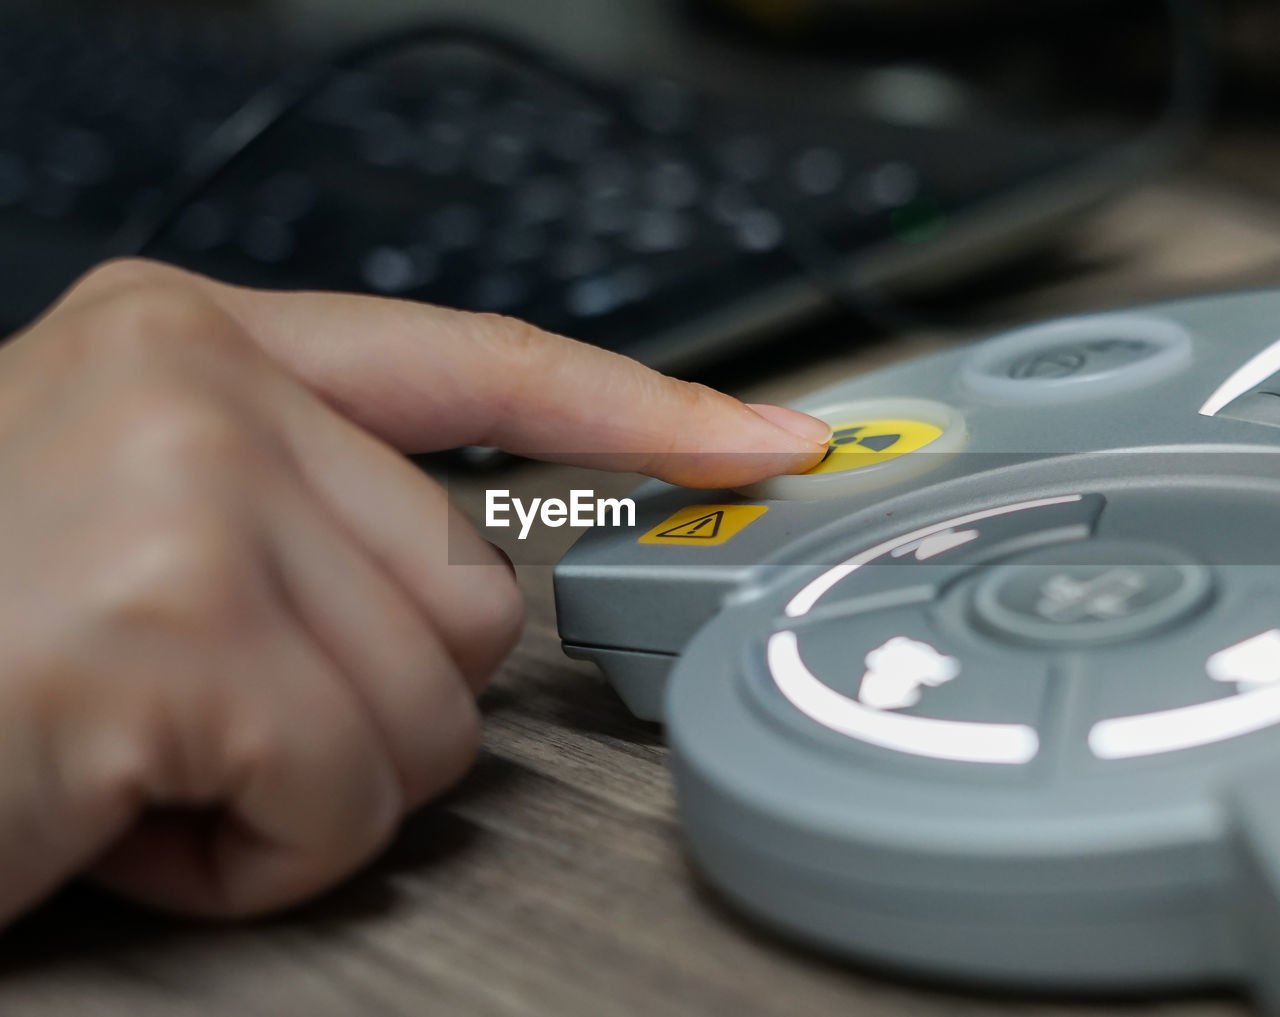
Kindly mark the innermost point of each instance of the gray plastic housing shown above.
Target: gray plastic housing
(1099, 812)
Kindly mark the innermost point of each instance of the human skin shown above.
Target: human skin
(233, 652)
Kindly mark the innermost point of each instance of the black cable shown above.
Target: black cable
(1183, 115)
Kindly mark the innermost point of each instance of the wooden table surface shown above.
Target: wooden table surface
(553, 881)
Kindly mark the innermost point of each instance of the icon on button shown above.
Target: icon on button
(859, 443)
(897, 670)
(1098, 356)
(1064, 598)
(934, 544)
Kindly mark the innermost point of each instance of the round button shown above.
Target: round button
(1080, 358)
(1094, 592)
(857, 444)
(874, 443)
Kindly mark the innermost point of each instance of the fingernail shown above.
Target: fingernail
(800, 424)
(506, 558)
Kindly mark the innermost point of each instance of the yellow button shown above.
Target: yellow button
(870, 447)
(859, 443)
(704, 525)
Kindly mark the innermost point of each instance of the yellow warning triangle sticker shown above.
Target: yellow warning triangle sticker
(703, 528)
(704, 524)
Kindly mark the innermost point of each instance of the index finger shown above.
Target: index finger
(425, 378)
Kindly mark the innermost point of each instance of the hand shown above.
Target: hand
(232, 651)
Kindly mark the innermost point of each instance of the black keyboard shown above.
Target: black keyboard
(668, 224)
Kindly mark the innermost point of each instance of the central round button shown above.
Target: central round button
(1093, 592)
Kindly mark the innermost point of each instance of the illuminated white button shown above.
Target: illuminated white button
(930, 737)
(1186, 727)
(1252, 663)
(1191, 695)
(1253, 372)
(892, 678)
(875, 443)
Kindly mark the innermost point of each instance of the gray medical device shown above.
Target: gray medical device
(995, 697)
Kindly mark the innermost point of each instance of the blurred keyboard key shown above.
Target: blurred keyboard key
(267, 240)
(758, 230)
(502, 158)
(663, 106)
(578, 257)
(287, 195)
(13, 179)
(658, 230)
(747, 157)
(441, 147)
(79, 157)
(543, 199)
(49, 198)
(455, 226)
(673, 184)
(517, 244)
(602, 294)
(501, 292)
(394, 270)
(202, 226)
(817, 170)
(892, 184)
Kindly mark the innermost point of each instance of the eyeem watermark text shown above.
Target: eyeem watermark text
(582, 509)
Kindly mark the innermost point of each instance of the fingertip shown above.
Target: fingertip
(803, 463)
(721, 470)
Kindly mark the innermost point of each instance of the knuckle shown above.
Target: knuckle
(523, 345)
(702, 401)
(523, 352)
(139, 309)
(505, 329)
(202, 436)
(124, 273)
(170, 440)
(188, 573)
(144, 319)
(696, 402)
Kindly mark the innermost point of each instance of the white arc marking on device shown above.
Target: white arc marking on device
(803, 601)
(896, 670)
(955, 740)
(1252, 663)
(935, 544)
(1187, 727)
(1253, 372)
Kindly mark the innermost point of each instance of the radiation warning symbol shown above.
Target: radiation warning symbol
(859, 443)
(703, 525)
